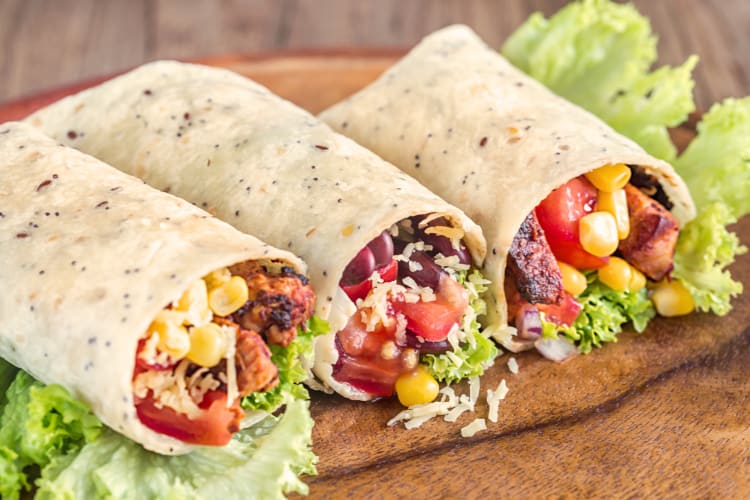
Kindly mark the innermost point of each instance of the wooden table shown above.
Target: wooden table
(663, 414)
(51, 42)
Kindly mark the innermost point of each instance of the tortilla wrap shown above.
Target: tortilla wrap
(462, 120)
(90, 256)
(256, 161)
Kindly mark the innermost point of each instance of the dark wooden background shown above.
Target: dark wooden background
(46, 43)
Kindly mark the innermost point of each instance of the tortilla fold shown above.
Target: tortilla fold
(89, 257)
(489, 138)
(258, 162)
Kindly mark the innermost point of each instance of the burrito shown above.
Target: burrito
(144, 307)
(574, 214)
(394, 266)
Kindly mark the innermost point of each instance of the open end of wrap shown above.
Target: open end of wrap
(208, 349)
(404, 295)
(611, 225)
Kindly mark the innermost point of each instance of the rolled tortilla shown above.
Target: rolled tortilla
(90, 257)
(462, 120)
(256, 161)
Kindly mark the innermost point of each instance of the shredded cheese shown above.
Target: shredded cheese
(494, 398)
(230, 336)
(476, 426)
(513, 365)
(168, 388)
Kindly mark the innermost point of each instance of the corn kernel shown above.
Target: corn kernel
(173, 337)
(574, 281)
(217, 278)
(610, 177)
(671, 298)
(416, 387)
(229, 297)
(194, 303)
(616, 203)
(207, 345)
(598, 233)
(637, 280)
(616, 274)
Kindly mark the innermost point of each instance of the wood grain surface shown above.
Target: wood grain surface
(662, 414)
(48, 43)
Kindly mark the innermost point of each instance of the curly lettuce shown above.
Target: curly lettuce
(476, 353)
(597, 54)
(261, 462)
(716, 164)
(605, 312)
(39, 424)
(44, 428)
(293, 362)
(716, 168)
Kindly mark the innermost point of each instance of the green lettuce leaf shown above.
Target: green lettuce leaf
(39, 424)
(716, 164)
(44, 427)
(704, 250)
(477, 352)
(261, 462)
(716, 168)
(604, 313)
(7, 374)
(293, 361)
(597, 54)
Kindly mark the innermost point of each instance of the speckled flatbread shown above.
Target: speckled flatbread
(89, 257)
(461, 119)
(255, 160)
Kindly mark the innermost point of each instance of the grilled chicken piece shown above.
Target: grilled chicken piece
(533, 266)
(653, 235)
(277, 304)
(255, 370)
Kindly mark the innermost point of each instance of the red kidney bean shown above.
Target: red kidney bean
(359, 269)
(428, 276)
(443, 245)
(382, 249)
(427, 347)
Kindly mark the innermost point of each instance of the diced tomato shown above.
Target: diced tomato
(563, 314)
(373, 376)
(360, 290)
(214, 427)
(433, 320)
(357, 341)
(559, 214)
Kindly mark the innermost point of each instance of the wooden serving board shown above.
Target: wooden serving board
(663, 413)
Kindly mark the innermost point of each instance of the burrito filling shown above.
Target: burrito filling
(611, 225)
(410, 289)
(207, 350)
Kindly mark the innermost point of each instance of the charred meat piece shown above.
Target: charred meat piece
(533, 266)
(653, 235)
(649, 185)
(255, 370)
(277, 304)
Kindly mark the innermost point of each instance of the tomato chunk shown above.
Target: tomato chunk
(360, 290)
(214, 427)
(559, 215)
(563, 314)
(434, 320)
